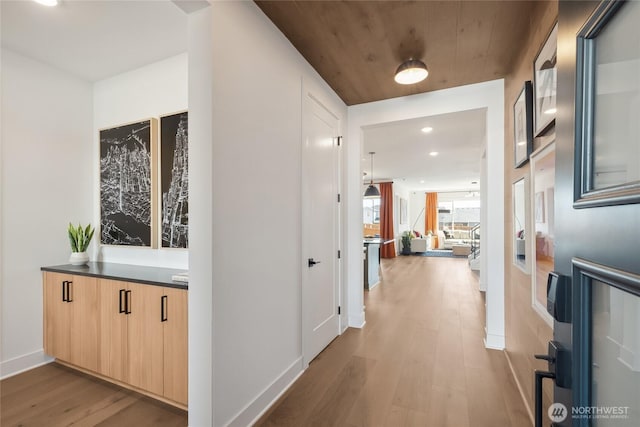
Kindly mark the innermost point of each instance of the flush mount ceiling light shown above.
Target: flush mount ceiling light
(433, 153)
(372, 191)
(411, 71)
(47, 2)
(427, 129)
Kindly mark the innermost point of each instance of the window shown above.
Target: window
(458, 214)
(371, 211)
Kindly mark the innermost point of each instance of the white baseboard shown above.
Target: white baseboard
(255, 409)
(357, 321)
(520, 389)
(494, 342)
(17, 365)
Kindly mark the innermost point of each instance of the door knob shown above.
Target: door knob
(312, 262)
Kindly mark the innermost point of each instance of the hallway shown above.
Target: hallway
(419, 360)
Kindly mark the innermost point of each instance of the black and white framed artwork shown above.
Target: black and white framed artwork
(545, 83)
(174, 180)
(523, 125)
(127, 205)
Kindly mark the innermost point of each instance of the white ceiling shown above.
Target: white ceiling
(94, 39)
(402, 151)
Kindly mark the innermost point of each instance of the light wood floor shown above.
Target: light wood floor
(419, 360)
(54, 395)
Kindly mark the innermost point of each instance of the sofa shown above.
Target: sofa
(448, 238)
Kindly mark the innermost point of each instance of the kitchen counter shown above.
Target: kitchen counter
(129, 273)
(372, 241)
(371, 262)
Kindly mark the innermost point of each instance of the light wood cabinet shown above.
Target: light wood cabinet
(71, 324)
(176, 372)
(146, 338)
(135, 334)
(113, 330)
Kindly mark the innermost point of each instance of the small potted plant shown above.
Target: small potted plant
(406, 242)
(79, 238)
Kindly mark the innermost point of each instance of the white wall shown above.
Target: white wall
(256, 209)
(489, 95)
(417, 202)
(201, 405)
(46, 182)
(157, 89)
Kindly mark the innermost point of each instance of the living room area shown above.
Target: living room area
(454, 232)
(421, 186)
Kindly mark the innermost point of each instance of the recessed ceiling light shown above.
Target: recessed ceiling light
(427, 129)
(433, 153)
(47, 2)
(422, 181)
(551, 111)
(521, 143)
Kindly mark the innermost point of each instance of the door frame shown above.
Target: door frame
(311, 94)
(487, 95)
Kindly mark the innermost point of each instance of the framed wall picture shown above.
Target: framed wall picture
(545, 83)
(403, 211)
(523, 125)
(127, 187)
(174, 180)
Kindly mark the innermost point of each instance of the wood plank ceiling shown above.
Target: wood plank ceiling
(356, 46)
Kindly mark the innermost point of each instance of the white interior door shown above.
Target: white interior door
(320, 285)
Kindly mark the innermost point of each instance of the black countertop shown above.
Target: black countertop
(372, 241)
(129, 273)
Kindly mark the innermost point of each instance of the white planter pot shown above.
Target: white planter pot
(79, 258)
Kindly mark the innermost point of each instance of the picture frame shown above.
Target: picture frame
(523, 125)
(542, 236)
(545, 83)
(403, 211)
(174, 180)
(128, 200)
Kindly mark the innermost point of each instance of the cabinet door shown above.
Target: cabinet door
(175, 345)
(145, 337)
(84, 320)
(56, 316)
(113, 360)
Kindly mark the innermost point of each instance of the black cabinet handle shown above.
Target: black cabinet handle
(163, 308)
(69, 291)
(127, 302)
(121, 301)
(66, 291)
